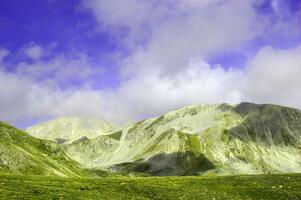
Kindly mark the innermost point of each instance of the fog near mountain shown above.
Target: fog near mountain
(69, 129)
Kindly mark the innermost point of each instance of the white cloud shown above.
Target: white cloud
(83, 102)
(170, 41)
(60, 69)
(131, 18)
(19, 97)
(3, 54)
(33, 51)
(167, 34)
(284, 23)
(274, 76)
(152, 94)
(170, 33)
(32, 90)
(24, 99)
(142, 96)
(200, 32)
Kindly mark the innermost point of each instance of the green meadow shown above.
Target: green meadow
(285, 186)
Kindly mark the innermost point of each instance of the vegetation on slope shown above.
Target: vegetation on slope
(200, 139)
(21, 153)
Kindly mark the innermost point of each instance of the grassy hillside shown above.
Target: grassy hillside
(250, 187)
(22, 154)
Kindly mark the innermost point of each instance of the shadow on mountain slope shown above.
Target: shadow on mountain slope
(269, 124)
(172, 164)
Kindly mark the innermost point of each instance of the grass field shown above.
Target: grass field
(257, 187)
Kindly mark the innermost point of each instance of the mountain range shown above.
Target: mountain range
(194, 140)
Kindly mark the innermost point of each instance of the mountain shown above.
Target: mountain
(68, 129)
(200, 139)
(23, 154)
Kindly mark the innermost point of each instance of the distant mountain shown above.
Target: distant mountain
(68, 129)
(24, 154)
(219, 139)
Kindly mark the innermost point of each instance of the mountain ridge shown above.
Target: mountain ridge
(67, 129)
(245, 138)
(222, 132)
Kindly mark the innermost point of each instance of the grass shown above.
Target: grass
(22, 153)
(286, 186)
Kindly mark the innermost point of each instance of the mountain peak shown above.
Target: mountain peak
(70, 128)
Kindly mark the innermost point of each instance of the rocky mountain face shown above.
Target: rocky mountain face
(23, 154)
(65, 130)
(198, 139)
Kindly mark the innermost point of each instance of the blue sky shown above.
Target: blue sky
(44, 22)
(125, 60)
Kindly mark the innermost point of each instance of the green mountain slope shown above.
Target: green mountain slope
(68, 129)
(197, 139)
(22, 154)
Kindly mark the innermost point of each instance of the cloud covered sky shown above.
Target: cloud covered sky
(125, 60)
